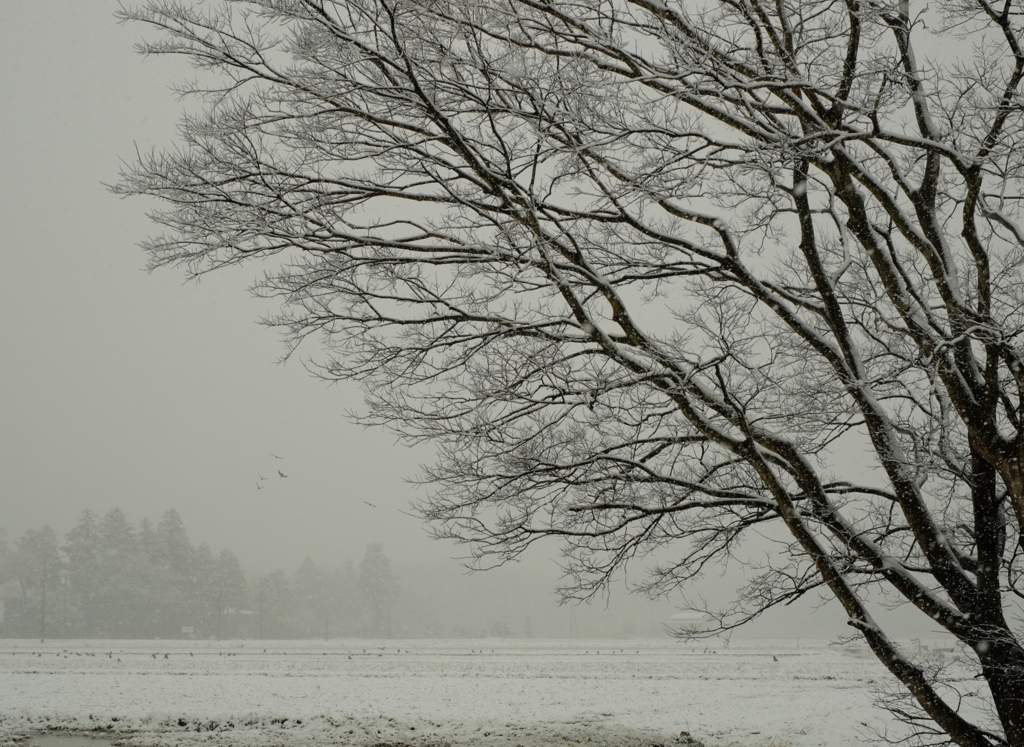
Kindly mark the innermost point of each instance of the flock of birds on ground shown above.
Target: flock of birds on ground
(110, 654)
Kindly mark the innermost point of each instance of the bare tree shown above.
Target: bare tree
(646, 271)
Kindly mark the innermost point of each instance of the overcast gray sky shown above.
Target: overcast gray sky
(119, 388)
(122, 389)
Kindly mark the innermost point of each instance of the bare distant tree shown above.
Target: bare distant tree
(37, 566)
(646, 272)
(378, 590)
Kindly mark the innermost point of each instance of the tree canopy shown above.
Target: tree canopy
(648, 273)
(110, 579)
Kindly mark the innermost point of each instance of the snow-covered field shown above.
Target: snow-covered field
(487, 693)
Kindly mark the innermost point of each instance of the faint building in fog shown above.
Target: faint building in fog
(692, 621)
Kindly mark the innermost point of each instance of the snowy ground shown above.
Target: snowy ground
(487, 693)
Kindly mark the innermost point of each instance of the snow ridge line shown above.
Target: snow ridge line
(253, 730)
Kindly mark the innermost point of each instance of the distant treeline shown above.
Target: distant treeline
(110, 579)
